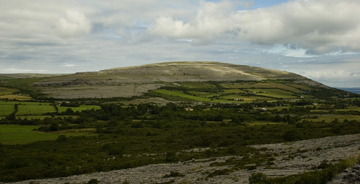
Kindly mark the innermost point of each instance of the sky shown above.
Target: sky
(319, 39)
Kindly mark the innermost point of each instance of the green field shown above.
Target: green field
(234, 91)
(274, 93)
(351, 108)
(180, 94)
(16, 134)
(245, 98)
(262, 123)
(6, 109)
(329, 119)
(35, 108)
(204, 94)
(33, 117)
(196, 85)
(302, 87)
(16, 97)
(11, 103)
(260, 86)
(81, 108)
(7, 91)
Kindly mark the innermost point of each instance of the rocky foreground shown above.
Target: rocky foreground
(290, 158)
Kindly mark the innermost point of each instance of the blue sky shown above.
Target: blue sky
(319, 39)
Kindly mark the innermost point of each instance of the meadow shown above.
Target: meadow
(196, 85)
(181, 94)
(81, 108)
(18, 134)
(16, 97)
(329, 119)
(6, 109)
(246, 98)
(31, 108)
(262, 86)
(7, 91)
(233, 92)
(274, 93)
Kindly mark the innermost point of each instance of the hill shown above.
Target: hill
(137, 80)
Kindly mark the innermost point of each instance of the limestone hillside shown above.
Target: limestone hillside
(136, 80)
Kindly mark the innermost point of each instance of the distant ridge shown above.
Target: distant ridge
(136, 80)
(352, 90)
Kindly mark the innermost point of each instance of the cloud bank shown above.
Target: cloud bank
(310, 37)
(319, 26)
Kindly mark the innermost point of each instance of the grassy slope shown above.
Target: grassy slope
(35, 108)
(262, 86)
(81, 108)
(6, 109)
(16, 134)
(7, 91)
(180, 94)
(275, 93)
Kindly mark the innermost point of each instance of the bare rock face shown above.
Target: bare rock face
(348, 176)
(126, 80)
(179, 71)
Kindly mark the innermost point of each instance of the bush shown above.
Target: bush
(170, 156)
(257, 178)
(116, 151)
(291, 135)
(173, 174)
(93, 181)
(61, 138)
(219, 172)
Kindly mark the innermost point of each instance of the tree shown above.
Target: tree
(69, 111)
(257, 178)
(170, 156)
(93, 181)
(291, 135)
(54, 127)
(11, 117)
(61, 138)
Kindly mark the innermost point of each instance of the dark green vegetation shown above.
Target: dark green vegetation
(102, 134)
(244, 92)
(146, 134)
(15, 134)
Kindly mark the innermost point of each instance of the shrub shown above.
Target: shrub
(61, 138)
(93, 181)
(170, 156)
(219, 172)
(173, 174)
(257, 178)
(291, 135)
(116, 151)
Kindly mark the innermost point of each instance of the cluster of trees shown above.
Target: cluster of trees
(136, 131)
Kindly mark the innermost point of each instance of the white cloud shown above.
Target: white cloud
(20, 70)
(47, 36)
(68, 65)
(337, 78)
(319, 26)
(74, 24)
